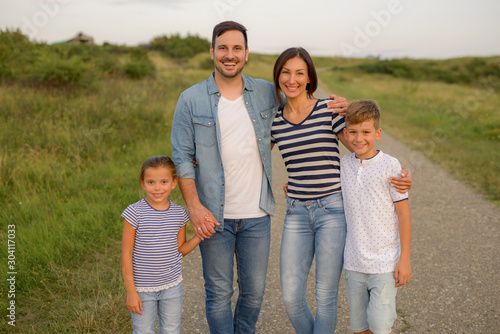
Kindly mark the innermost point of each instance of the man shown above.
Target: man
(225, 123)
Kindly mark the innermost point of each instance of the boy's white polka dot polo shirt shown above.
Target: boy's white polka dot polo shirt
(372, 243)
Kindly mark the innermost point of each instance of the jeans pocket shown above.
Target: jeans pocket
(334, 208)
(334, 204)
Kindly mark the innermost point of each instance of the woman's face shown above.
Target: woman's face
(293, 78)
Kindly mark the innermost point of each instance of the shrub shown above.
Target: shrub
(138, 69)
(178, 47)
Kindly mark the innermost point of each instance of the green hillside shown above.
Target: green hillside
(77, 121)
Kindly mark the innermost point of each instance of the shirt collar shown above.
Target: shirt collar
(213, 89)
(372, 159)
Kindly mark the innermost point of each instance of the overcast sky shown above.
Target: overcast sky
(386, 28)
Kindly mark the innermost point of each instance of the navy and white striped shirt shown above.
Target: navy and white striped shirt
(156, 259)
(311, 152)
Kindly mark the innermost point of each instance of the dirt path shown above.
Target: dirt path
(455, 259)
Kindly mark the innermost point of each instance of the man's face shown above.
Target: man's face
(229, 54)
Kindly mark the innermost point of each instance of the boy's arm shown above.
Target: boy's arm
(186, 246)
(402, 274)
(134, 303)
(343, 139)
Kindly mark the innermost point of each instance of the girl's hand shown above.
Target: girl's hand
(134, 302)
(210, 220)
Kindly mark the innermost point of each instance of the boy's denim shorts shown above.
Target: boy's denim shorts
(372, 301)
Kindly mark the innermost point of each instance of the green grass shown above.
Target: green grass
(69, 166)
(455, 126)
(70, 159)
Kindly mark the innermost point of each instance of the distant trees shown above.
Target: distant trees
(69, 65)
(178, 47)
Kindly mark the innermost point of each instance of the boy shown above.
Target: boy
(377, 251)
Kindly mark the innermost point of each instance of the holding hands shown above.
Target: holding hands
(203, 222)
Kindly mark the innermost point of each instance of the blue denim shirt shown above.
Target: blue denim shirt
(196, 133)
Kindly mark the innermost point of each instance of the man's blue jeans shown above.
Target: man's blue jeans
(315, 228)
(247, 240)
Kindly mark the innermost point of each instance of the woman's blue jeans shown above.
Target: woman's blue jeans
(247, 240)
(315, 228)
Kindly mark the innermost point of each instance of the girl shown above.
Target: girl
(154, 242)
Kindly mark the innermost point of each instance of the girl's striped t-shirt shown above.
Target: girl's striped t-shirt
(311, 152)
(156, 259)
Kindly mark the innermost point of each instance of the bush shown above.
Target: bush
(461, 71)
(50, 70)
(138, 69)
(178, 47)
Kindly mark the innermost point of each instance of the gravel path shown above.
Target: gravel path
(455, 259)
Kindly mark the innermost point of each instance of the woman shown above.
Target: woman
(307, 134)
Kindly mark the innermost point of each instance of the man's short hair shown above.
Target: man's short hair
(222, 27)
(359, 111)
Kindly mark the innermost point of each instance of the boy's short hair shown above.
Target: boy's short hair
(359, 111)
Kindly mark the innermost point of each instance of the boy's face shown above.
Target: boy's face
(362, 138)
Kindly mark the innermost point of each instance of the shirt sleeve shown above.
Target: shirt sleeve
(130, 214)
(182, 140)
(185, 217)
(338, 123)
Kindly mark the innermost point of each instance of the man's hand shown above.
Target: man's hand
(203, 222)
(403, 183)
(338, 104)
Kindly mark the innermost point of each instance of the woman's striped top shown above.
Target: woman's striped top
(156, 259)
(311, 152)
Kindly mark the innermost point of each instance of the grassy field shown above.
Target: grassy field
(455, 126)
(70, 159)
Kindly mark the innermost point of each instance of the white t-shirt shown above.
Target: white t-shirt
(243, 168)
(372, 242)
